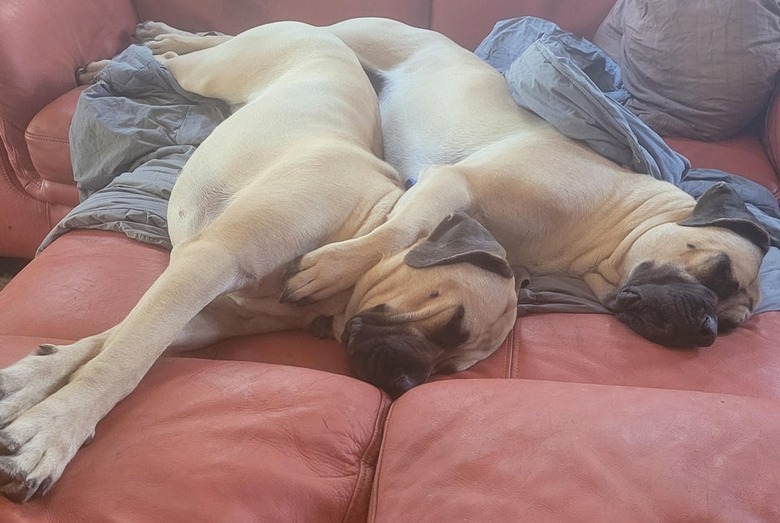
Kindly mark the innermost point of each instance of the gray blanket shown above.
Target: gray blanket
(131, 134)
(135, 128)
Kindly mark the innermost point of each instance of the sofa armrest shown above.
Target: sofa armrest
(771, 136)
(42, 44)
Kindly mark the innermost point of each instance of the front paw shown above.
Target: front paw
(34, 451)
(30, 380)
(320, 274)
(88, 74)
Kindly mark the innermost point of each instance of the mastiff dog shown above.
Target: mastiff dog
(297, 165)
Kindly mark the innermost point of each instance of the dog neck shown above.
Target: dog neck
(613, 268)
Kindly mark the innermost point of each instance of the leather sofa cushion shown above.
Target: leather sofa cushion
(48, 144)
(203, 440)
(772, 129)
(743, 154)
(82, 284)
(87, 281)
(43, 44)
(597, 348)
(502, 450)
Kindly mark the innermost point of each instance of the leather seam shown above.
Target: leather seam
(374, 447)
(511, 351)
(39, 137)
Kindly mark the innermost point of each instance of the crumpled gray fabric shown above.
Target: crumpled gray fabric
(131, 134)
(576, 87)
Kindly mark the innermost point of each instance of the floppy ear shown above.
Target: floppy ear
(460, 238)
(721, 206)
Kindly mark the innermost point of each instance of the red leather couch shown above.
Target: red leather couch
(574, 418)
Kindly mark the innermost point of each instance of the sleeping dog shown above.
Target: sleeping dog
(295, 166)
(674, 270)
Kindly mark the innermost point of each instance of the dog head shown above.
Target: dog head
(689, 280)
(441, 306)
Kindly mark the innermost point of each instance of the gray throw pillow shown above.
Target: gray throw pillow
(701, 69)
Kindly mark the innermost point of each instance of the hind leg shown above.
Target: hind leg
(172, 44)
(161, 39)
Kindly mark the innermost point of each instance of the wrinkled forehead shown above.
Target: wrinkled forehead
(717, 272)
(726, 272)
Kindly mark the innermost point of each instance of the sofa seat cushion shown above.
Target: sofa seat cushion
(87, 281)
(48, 144)
(83, 283)
(599, 349)
(506, 450)
(743, 154)
(202, 440)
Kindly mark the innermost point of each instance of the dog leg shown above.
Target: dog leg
(160, 38)
(180, 45)
(441, 190)
(39, 443)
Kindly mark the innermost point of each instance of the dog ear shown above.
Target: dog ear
(460, 238)
(721, 206)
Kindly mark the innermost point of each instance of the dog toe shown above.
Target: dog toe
(20, 491)
(8, 445)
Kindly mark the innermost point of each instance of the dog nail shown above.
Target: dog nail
(45, 350)
(14, 492)
(45, 487)
(286, 296)
(7, 471)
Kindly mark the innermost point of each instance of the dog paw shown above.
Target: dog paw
(88, 74)
(149, 30)
(320, 274)
(169, 44)
(37, 376)
(34, 451)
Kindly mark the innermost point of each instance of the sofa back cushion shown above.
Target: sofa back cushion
(697, 68)
(469, 22)
(234, 16)
(465, 21)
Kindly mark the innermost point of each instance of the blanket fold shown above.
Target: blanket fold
(132, 132)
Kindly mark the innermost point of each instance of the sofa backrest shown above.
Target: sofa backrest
(465, 21)
(234, 16)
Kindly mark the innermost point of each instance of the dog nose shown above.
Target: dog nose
(401, 385)
(708, 332)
